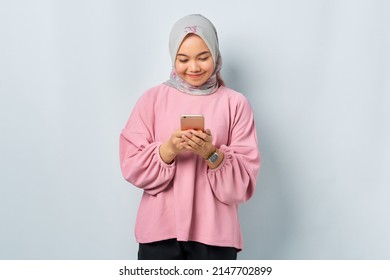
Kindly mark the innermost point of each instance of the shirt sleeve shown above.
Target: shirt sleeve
(140, 159)
(234, 180)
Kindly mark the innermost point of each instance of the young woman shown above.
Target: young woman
(192, 180)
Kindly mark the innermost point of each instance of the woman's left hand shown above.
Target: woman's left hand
(199, 142)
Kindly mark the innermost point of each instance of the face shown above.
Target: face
(194, 63)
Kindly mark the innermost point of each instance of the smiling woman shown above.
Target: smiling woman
(194, 63)
(192, 180)
(199, 42)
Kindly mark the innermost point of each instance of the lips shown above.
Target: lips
(194, 76)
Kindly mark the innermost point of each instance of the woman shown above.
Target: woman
(192, 180)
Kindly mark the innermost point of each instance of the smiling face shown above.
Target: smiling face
(194, 63)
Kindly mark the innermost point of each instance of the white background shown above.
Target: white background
(317, 74)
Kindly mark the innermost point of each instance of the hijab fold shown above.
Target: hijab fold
(201, 26)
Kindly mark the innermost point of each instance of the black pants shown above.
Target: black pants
(172, 249)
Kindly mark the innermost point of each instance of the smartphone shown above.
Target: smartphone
(195, 122)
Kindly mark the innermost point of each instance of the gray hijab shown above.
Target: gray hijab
(201, 26)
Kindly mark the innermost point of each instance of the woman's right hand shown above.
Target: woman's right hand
(173, 146)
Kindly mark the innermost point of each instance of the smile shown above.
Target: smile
(194, 76)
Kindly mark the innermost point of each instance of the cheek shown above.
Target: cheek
(180, 69)
(209, 67)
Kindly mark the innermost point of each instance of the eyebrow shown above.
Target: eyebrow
(199, 54)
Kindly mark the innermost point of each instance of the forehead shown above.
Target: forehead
(192, 44)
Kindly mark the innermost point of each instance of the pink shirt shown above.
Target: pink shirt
(187, 200)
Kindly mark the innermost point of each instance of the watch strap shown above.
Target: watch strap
(214, 156)
(211, 154)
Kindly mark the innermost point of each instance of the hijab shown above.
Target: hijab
(201, 26)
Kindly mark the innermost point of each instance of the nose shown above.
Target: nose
(194, 67)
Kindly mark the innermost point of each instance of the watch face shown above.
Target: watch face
(213, 157)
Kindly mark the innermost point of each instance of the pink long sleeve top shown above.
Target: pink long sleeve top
(186, 199)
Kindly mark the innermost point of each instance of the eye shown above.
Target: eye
(183, 60)
(204, 58)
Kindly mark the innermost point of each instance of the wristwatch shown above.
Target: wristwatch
(213, 157)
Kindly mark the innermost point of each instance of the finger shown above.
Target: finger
(193, 138)
(199, 134)
(178, 142)
(204, 137)
(180, 133)
(196, 143)
(189, 146)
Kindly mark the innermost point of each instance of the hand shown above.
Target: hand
(173, 146)
(199, 142)
(176, 143)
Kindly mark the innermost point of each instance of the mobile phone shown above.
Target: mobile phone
(195, 122)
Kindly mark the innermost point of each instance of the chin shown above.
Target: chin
(195, 83)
